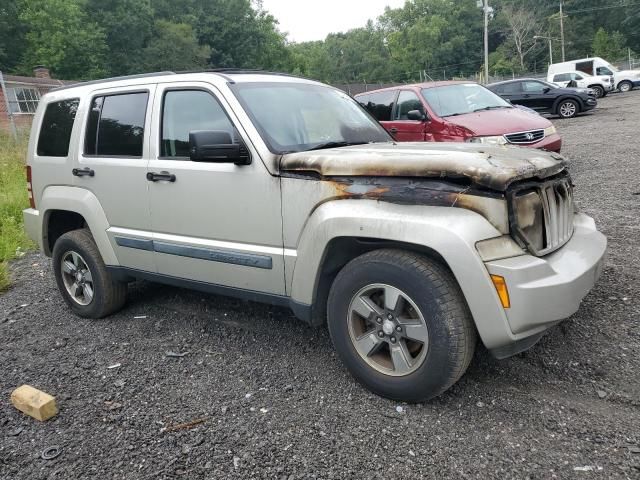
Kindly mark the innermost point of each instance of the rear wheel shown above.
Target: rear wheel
(625, 86)
(82, 277)
(568, 108)
(400, 324)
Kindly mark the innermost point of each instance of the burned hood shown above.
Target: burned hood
(495, 167)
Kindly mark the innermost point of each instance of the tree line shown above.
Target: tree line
(85, 39)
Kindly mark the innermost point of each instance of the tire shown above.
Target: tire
(625, 86)
(600, 92)
(568, 108)
(79, 268)
(441, 318)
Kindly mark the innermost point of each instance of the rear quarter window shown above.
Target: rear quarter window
(55, 132)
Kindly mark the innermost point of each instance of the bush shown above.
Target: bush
(13, 199)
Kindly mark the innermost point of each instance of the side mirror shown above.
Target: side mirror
(546, 89)
(415, 115)
(216, 146)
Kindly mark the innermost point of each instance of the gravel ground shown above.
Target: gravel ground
(277, 403)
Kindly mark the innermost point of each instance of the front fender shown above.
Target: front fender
(452, 232)
(85, 203)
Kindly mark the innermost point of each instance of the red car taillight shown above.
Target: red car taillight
(32, 202)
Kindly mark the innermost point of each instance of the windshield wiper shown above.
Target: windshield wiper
(492, 107)
(322, 146)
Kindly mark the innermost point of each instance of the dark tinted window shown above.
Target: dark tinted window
(509, 88)
(380, 105)
(185, 111)
(562, 77)
(120, 125)
(55, 132)
(407, 101)
(603, 71)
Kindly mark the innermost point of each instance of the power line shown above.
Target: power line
(593, 9)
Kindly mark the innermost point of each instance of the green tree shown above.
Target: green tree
(61, 36)
(12, 32)
(128, 26)
(609, 46)
(174, 46)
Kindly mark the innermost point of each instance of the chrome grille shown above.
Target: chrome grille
(523, 138)
(541, 215)
(557, 203)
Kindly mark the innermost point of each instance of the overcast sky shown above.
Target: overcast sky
(307, 20)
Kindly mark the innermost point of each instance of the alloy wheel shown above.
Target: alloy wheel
(77, 278)
(388, 330)
(568, 109)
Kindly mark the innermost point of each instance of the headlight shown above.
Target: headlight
(498, 140)
(530, 218)
(550, 131)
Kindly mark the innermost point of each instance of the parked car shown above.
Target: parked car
(283, 190)
(624, 80)
(601, 85)
(545, 97)
(457, 112)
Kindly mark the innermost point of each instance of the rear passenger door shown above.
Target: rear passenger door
(408, 130)
(112, 164)
(381, 105)
(217, 223)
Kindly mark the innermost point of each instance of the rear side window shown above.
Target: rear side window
(380, 105)
(562, 77)
(55, 132)
(509, 88)
(115, 126)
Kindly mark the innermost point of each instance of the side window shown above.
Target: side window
(511, 88)
(533, 87)
(576, 76)
(407, 101)
(381, 105)
(115, 126)
(362, 100)
(603, 71)
(562, 77)
(55, 132)
(185, 111)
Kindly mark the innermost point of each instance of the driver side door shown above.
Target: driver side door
(212, 222)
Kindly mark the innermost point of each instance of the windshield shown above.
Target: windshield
(461, 98)
(293, 117)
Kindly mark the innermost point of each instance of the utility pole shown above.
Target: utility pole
(486, 41)
(562, 30)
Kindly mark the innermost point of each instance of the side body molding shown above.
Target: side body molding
(85, 203)
(452, 232)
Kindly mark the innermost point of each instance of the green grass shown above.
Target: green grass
(13, 199)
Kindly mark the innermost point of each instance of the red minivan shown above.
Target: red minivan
(457, 112)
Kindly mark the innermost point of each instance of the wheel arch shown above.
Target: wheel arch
(341, 230)
(568, 97)
(66, 208)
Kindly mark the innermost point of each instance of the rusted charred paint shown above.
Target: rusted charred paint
(494, 167)
(432, 192)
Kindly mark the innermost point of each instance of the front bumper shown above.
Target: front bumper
(33, 225)
(545, 290)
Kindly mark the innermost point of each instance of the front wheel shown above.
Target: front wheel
(399, 322)
(568, 109)
(625, 86)
(598, 90)
(82, 277)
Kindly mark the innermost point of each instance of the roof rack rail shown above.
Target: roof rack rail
(113, 79)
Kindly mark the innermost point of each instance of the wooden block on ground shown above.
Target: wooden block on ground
(33, 402)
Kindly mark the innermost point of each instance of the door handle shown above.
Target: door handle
(161, 177)
(393, 130)
(83, 172)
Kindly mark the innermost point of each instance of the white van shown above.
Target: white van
(624, 80)
(600, 85)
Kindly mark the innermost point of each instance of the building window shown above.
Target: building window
(23, 100)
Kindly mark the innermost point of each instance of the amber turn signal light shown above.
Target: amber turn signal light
(501, 287)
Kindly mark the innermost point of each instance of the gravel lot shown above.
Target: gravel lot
(277, 403)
